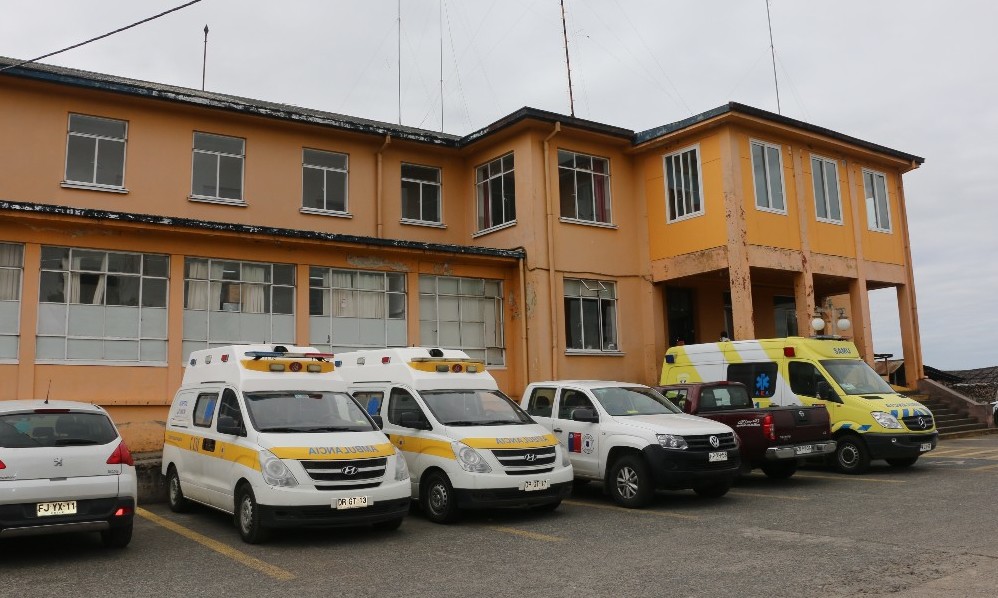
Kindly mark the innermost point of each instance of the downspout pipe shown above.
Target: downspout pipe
(549, 201)
(379, 199)
(525, 359)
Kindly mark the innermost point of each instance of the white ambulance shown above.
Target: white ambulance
(271, 435)
(467, 444)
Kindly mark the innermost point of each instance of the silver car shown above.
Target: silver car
(64, 468)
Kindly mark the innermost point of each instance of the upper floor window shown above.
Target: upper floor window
(421, 193)
(11, 274)
(218, 168)
(95, 151)
(591, 315)
(324, 181)
(356, 309)
(684, 196)
(878, 214)
(463, 313)
(584, 187)
(825, 177)
(767, 174)
(496, 193)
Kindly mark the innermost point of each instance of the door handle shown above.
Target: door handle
(208, 445)
(558, 430)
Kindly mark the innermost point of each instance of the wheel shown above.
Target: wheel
(117, 537)
(175, 495)
(780, 470)
(715, 490)
(630, 483)
(388, 526)
(546, 507)
(248, 522)
(902, 462)
(436, 497)
(851, 455)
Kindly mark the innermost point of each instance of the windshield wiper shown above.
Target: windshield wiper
(284, 429)
(337, 429)
(500, 422)
(462, 422)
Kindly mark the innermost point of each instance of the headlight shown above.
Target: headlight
(886, 420)
(401, 468)
(671, 441)
(565, 461)
(469, 459)
(275, 472)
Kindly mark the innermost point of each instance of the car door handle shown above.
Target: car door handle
(208, 445)
(558, 430)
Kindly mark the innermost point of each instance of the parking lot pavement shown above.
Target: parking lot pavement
(924, 531)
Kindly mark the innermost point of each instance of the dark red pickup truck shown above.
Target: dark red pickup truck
(774, 439)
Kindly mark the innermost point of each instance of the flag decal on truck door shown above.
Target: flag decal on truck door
(574, 442)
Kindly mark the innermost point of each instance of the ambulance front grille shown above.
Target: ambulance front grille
(702, 442)
(918, 422)
(337, 474)
(526, 461)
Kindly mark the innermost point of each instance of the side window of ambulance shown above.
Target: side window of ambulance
(370, 400)
(758, 378)
(677, 396)
(804, 378)
(399, 402)
(204, 409)
(541, 402)
(228, 409)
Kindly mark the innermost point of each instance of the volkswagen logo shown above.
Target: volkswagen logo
(530, 457)
(714, 441)
(349, 470)
(921, 423)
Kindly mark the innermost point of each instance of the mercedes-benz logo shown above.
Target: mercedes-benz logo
(714, 441)
(530, 457)
(349, 470)
(921, 423)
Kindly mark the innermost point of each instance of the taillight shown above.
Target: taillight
(768, 429)
(2, 466)
(121, 456)
(122, 511)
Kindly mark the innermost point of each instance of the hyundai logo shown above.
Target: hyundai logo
(530, 457)
(349, 470)
(714, 441)
(57, 462)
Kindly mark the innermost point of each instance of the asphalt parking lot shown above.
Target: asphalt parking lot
(926, 531)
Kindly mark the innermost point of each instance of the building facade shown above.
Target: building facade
(140, 222)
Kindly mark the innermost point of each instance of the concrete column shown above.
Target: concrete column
(739, 271)
(803, 282)
(913, 367)
(302, 329)
(859, 308)
(31, 278)
(175, 326)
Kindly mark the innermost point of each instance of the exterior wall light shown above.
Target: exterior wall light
(827, 314)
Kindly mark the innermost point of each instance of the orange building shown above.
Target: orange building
(140, 221)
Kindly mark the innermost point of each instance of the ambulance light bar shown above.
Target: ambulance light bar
(261, 354)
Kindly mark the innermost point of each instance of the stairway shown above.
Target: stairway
(950, 422)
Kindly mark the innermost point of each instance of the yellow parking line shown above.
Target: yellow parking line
(223, 549)
(632, 511)
(526, 534)
(761, 495)
(852, 478)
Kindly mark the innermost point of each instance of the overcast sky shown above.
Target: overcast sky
(915, 75)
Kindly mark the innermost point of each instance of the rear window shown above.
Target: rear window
(759, 378)
(30, 430)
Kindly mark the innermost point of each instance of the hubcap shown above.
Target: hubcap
(438, 498)
(627, 482)
(848, 455)
(174, 489)
(246, 514)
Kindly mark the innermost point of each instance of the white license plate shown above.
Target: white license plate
(353, 502)
(804, 449)
(926, 446)
(535, 485)
(47, 509)
(721, 456)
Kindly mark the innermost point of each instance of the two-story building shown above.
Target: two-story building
(140, 221)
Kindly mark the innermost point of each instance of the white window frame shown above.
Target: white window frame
(577, 171)
(13, 289)
(838, 190)
(424, 183)
(484, 183)
(769, 189)
(599, 286)
(330, 342)
(695, 148)
(218, 156)
(325, 174)
(872, 214)
(93, 184)
(429, 305)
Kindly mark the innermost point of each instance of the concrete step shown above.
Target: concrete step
(974, 426)
(947, 417)
(966, 433)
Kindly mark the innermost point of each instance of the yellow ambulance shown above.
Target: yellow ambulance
(467, 444)
(869, 419)
(269, 434)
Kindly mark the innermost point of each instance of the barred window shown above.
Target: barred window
(463, 313)
(11, 275)
(591, 315)
(356, 309)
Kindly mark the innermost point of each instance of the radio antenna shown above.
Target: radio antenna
(204, 59)
(772, 52)
(568, 64)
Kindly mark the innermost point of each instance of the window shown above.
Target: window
(541, 401)
(204, 409)
(758, 378)
(95, 151)
(591, 315)
(496, 193)
(584, 186)
(421, 194)
(11, 274)
(785, 316)
(218, 168)
(324, 181)
(684, 198)
(878, 215)
(804, 378)
(767, 173)
(825, 177)
(370, 400)
(463, 313)
(102, 305)
(400, 402)
(354, 309)
(571, 400)
(228, 302)
(228, 410)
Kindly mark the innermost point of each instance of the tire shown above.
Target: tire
(779, 470)
(437, 499)
(116, 537)
(547, 507)
(388, 526)
(715, 490)
(630, 482)
(851, 455)
(175, 494)
(902, 462)
(247, 517)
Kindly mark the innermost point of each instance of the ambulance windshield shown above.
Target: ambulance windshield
(633, 400)
(855, 377)
(290, 411)
(474, 408)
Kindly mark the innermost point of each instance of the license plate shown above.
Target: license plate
(721, 456)
(804, 449)
(47, 509)
(535, 485)
(926, 446)
(353, 502)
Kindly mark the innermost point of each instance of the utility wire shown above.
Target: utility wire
(99, 36)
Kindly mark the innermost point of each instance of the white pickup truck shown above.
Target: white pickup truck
(634, 440)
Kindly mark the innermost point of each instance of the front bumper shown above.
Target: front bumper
(899, 446)
(484, 498)
(92, 515)
(682, 469)
(327, 516)
(795, 451)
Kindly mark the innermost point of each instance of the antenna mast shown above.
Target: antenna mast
(204, 60)
(441, 18)
(568, 64)
(399, 13)
(772, 52)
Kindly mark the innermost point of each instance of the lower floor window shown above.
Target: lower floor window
(11, 273)
(465, 314)
(356, 309)
(591, 315)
